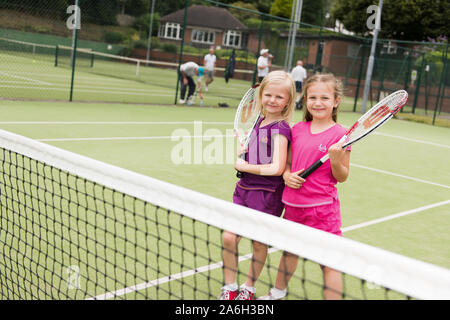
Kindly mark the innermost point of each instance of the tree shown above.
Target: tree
(401, 19)
(313, 11)
(243, 15)
(281, 8)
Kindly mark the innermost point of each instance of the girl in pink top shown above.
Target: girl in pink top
(314, 201)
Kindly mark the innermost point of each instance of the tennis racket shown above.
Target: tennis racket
(245, 120)
(378, 115)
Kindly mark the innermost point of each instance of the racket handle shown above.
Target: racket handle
(240, 174)
(311, 169)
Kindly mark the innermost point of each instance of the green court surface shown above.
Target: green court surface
(27, 75)
(397, 196)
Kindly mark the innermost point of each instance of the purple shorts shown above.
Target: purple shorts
(261, 200)
(326, 217)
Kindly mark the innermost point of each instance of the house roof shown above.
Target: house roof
(203, 16)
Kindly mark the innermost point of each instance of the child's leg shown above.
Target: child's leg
(230, 256)
(257, 264)
(182, 89)
(333, 283)
(191, 85)
(288, 265)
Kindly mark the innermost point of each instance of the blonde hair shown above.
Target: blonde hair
(278, 76)
(329, 79)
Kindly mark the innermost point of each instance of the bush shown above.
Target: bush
(113, 37)
(170, 47)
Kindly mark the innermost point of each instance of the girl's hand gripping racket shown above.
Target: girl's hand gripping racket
(245, 120)
(378, 115)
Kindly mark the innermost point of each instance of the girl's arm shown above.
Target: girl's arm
(340, 162)
(292, 179)
(276, 168)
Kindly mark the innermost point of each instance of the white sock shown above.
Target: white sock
(251, 289)
(232, 286)
(277, 293)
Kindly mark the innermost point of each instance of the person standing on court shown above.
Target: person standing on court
(210, 65)
(264, 63)
(299, 74)
(187, 71)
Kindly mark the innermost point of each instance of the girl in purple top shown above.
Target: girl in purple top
(314, 201)
(261, 186)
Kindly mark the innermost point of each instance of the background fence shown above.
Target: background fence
(116, 62)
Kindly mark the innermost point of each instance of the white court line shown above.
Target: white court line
(67, 76)
(399, 175)
(26, 79)
(111, 122)
(222, 136)
(412, 140)
(184, 122)
(394, 216)
(144, 89)
(135, 138)
(91, 91)
(60, 87)
(183, 274)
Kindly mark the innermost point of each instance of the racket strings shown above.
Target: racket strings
(377, 115)
(246, 117)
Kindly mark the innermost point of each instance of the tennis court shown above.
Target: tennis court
(33, 71)
(397, 196)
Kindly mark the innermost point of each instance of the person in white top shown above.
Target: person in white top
(264, 63)
(187, 71)
(299, 74)
(210, 64)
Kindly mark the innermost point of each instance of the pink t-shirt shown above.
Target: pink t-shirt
(319, 188)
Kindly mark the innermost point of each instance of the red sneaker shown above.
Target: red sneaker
(245, 294)
(228, 294)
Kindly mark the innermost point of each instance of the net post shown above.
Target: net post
(56, 55)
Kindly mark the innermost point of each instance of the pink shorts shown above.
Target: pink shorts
(326, 217)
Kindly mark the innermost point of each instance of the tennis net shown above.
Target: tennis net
(75, 228)
(30, 50)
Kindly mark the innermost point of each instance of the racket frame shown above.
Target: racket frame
(242, 103)
(385, 118)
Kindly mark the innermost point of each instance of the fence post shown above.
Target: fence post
(419, 78)
(363, 56)
(259, 48)
(180, 58)
(74, 46)
(441, 83)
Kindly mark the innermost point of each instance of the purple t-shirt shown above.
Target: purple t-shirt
(260, 152)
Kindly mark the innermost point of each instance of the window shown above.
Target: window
(203, 36)
(233, 39)
(170, 31)
(390, 47)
